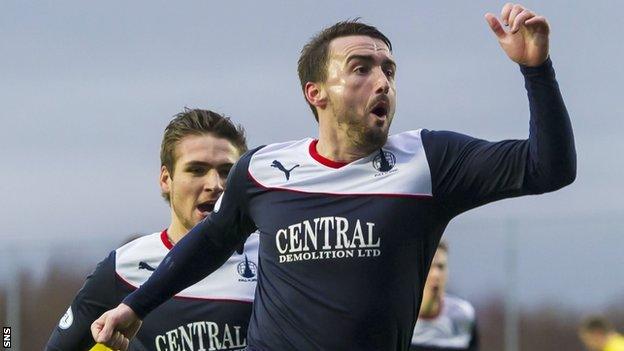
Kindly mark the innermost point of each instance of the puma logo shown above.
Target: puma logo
(277, 164)
(143, 265)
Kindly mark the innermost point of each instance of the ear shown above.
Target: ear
(316, 95)
(165, 180)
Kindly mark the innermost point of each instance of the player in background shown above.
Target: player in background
(445, 322)
(198, 149)
(350, 222)
(597, 334)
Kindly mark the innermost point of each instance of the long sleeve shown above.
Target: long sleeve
(467, 172)
(97, 295)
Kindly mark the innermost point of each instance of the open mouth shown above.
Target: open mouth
(380, 110)
(206, 207)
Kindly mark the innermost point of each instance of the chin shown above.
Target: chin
(376, 137)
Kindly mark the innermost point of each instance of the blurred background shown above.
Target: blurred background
(88, 87)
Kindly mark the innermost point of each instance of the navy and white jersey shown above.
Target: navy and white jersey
(453, 329)
(212, 314)
(345, 248)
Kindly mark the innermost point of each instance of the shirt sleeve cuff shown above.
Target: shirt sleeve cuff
(546, 68)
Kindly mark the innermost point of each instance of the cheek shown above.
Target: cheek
(335, 91)
(186, 189)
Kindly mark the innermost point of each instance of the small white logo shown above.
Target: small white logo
(67, 319)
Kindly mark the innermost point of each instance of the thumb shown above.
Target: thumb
(96, 327)
(105, 329)
(495, 25)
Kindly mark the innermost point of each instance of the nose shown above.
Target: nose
(383, 84)
(213, 182)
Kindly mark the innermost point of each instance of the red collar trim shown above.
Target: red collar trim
(324, 161)
(165, 240)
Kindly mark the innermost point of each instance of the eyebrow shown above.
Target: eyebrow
(369, 58)
(206, 164)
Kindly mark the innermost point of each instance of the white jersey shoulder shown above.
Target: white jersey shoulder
(399, 168)
(235, 280)
(452, 328)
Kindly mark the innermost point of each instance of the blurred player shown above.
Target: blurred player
(349, 222)
(445, 322)
(198, 149)
(597, 334)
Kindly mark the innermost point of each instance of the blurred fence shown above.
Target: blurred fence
(530, 281)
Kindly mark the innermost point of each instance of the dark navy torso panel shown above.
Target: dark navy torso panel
(349, 257)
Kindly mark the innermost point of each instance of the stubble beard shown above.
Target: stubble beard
(358, 133)
(186, 222)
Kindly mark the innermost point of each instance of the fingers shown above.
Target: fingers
(521, 19)
(107, 330)
(125, 344)
(539, 21)
(116, 327)
(516, 15)
(100, 331)
(515, 11)
(505, 11)
(495, 25)
(134, 328)
(96, 328)
(118, 342)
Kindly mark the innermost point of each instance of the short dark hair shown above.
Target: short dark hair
(596, 323)
(312, 66)
(198, 122)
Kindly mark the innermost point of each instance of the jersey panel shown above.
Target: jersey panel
(337, 248)
(211, 315)
(399, 168)
(137, 260)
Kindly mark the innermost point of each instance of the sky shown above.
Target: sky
(88, 87)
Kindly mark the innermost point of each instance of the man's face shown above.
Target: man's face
(438, 274)
(360, 88)
(202, 164)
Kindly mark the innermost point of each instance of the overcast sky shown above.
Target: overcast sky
(88, 87)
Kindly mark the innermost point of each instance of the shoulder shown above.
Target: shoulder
(408, 142)
(136, 260)
(286, 150)
(459, 307)
(142, 247)
(235, 280)
(433, 137)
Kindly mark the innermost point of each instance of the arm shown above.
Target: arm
(468, 172)
(204, 249)
(97, 295)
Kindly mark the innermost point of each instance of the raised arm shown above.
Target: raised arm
(468, 172)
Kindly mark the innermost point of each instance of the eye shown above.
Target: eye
(196, 170)
(361, 69)
(224, 172)
(389, 72)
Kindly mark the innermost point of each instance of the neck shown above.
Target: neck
(176, 231)
(430, 307)
(336, 144)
